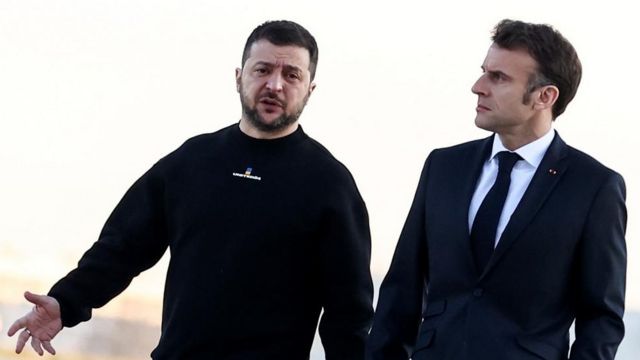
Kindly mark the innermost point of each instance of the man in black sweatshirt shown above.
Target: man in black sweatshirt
(265, 228)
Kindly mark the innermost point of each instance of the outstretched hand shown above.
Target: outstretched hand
(41, 324)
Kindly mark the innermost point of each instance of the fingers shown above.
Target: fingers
(38, 300)
(36, 345)
(47, 346)
(22, 340)
(44, 305)
(17, 325)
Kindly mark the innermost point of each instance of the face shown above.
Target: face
(274, 85)
(504, 104)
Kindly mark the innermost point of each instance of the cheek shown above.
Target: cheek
(252, 86)
(297, 95)
(508, 100)
(296, 100)
(248, 86)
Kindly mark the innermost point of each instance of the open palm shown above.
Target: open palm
(41, 324)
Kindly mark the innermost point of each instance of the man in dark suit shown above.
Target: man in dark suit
(513, 237)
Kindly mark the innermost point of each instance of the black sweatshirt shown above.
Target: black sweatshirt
(263, 234)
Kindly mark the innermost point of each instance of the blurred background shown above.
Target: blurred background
(93, 92)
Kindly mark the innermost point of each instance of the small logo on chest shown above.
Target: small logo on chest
(247, 174)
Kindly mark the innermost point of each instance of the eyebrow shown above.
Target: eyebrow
(286, 67)
(495, 72)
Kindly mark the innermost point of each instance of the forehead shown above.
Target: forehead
(512, 62)
(265, 51)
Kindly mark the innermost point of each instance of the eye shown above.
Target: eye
(261, 70)
(293, 76)
(494, 75)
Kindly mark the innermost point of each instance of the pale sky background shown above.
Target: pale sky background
(93, 92)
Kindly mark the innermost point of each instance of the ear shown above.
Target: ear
(238, 78)
(547, 96)
(312, 87)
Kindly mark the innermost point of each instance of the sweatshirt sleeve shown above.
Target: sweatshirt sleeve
(133, 239)
(346, 285)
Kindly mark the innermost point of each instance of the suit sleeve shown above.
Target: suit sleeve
(132, 240)
(601, 275)
(399, 309)
(345, 275)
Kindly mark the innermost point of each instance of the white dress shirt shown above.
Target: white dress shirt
(521, 176)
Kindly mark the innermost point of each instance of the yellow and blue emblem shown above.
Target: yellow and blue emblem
(247, 174)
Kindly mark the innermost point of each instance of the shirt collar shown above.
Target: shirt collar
(532, 153)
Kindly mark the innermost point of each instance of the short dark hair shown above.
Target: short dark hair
(281, 33)
(558, 62)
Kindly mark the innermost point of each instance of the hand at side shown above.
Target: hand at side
(41, 324)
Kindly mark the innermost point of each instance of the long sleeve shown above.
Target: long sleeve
(399, 306)
(601, 275)
(132, 240)
(345, 276)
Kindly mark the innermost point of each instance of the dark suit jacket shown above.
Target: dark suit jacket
(561, 257)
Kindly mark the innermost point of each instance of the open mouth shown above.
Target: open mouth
(271, 102)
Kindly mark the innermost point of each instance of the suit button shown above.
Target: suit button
(478, 292)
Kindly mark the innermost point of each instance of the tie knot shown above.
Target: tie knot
(506, 161)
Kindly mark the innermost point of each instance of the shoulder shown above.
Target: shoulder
(590, 170)
(208, 140)
(459, 155)
(332, 175)
(321, 160)
(463, 149)
(199, 145)
(581, 159)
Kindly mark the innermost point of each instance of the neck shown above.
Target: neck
(248, 129)
(516, 141)
(519, 136)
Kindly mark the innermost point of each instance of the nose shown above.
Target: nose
(275, 82)
(479, 87)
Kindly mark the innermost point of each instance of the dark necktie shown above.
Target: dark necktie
(485, 225)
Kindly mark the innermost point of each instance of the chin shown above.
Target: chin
(270, 118)
(483, 122)
(268, 121)
(483, 125)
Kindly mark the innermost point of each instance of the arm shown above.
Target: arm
(345, 276)
(601, 275)
(399, 308)
(132, 240)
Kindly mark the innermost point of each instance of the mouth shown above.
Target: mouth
(271, 102)
(482, 108)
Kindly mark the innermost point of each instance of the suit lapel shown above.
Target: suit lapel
(549, 172)
(466, 183)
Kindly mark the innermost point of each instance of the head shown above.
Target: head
(530, 74)
(557, 60)
(281, 33)
(276, 79)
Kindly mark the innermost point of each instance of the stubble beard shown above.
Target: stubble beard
(279, 123)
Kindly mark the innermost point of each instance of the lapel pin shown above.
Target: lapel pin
(552, 171)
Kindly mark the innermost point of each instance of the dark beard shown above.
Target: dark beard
(281, 122)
